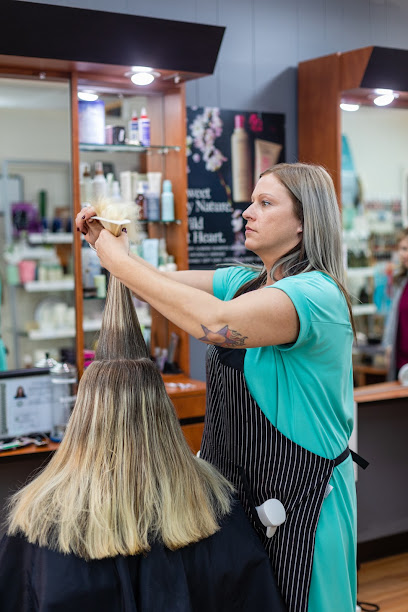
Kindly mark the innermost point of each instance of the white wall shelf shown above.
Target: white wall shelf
(51, 238)
(63, 332)
(65, 284)
(90, 325)
(123, 148)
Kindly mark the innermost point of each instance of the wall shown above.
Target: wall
(263, 44)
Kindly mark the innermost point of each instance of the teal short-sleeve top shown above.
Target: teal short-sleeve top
(306, 388)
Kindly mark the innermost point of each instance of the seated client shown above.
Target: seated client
(125, 517)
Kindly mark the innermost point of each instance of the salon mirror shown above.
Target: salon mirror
(374, 204)
(37, 314)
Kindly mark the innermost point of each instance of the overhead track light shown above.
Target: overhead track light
(349, 107)
(87, 96)
(384, 99)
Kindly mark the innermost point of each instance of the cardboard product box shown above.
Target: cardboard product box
(92, 122)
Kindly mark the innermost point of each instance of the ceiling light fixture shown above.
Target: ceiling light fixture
(349, 107)
(384, 99)
(87, 96)
(142, 78)
(142, 75)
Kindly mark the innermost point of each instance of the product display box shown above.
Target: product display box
(91, 122)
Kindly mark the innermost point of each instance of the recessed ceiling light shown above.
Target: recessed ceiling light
(87, 96)
(142, 78)
(384, 99)
(349, 107)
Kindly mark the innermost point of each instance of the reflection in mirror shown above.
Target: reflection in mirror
(374, 208)
(37, 314)
(114, 166)
(111, 120)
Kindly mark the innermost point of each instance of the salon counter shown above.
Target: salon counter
(382, 494)
(380, 392)
(188, 397)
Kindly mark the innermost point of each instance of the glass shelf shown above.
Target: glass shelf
(64, 284)
(122, 148)
(160, 222)
(51, 238)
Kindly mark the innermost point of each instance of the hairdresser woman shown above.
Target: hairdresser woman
(279, 375)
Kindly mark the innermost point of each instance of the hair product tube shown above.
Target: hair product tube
(241, 162)
(266, 155)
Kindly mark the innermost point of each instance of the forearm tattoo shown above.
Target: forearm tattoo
(224, 337)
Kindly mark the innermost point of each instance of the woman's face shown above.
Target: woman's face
(272, 227)
(403, 252)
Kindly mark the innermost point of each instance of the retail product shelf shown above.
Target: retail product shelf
(90, 325)
(51, 238)
(123, 148)
(160, 222)
(67, 284)
(62, 332)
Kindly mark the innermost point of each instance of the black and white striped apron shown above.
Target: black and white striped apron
(262, 463)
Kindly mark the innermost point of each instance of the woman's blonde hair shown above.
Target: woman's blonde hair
(123, 475)
(320, 248)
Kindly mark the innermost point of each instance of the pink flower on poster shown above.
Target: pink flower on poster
(255, 123)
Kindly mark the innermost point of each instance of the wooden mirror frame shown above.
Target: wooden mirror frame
(325, 81)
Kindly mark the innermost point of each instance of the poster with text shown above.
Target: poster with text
(226, 152)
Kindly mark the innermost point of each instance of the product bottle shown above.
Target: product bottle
(141, 202)
(167, 202)
(116, 195)
(163, 256)
(91, 266)
(109, 184)
(241, 162)
(99, 182)
(153, 206)
(171, 265)
(63, 386)
(42, 204)
(133, 129)
(144, 128)
(86, 185)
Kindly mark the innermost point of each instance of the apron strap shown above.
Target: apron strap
(356, 458)
(363, 463)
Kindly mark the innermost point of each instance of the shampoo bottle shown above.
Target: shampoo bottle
(241, 162)
(133, 129)
(153, 205)
(86, 185)
(144, 128)
(99, 182)
(167, 202)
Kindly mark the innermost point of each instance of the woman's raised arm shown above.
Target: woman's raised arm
(259, 318)
(91, 228)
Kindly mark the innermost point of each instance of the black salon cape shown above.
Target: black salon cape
(226, 572)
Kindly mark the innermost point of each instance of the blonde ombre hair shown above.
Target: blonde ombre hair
(123, 475)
